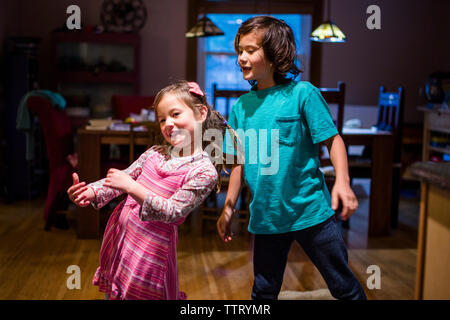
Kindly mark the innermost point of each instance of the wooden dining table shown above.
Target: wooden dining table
(380, 201)
(89, 167)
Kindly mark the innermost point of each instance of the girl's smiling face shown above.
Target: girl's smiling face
(178, 121)
(252, 60)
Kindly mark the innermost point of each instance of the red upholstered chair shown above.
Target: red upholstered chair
(122, 106)
(57, 131)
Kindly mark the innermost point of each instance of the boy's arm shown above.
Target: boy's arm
(341, 189)
(234, 188)
(338, 156)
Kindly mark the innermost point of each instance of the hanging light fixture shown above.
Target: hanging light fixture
(328, 31)
(204, 28)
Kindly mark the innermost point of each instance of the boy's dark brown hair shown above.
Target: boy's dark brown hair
(278, 44)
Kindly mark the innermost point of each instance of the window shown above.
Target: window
(217, 60)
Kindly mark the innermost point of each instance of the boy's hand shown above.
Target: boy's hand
(224, 224)
(342, 191)
(79, 194)
(118, 179)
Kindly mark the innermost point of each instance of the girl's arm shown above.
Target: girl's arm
(199, 183)
(234, 188)
(341, 189)
(79, 193)
(104, 193)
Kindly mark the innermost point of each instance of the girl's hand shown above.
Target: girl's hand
(119, 180)
(224, 224)
(79, 194)
(342, 191)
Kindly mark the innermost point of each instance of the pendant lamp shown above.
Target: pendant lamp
(204, 28)
(328, 31)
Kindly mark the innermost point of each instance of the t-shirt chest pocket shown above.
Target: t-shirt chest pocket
(289, 129)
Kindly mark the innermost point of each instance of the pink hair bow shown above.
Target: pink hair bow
(195, 88)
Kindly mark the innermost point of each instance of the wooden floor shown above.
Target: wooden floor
(33, 262)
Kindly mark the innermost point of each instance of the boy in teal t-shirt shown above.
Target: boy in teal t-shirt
(289, 192)
(280, 123)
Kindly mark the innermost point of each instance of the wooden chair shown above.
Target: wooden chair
(227, 95)
(210, 210)
(390, 118)
(334, 96)
(153, 136)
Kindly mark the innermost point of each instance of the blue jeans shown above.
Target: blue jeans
(325, 247)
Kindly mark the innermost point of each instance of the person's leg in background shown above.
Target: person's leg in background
(326, 248)
(269, 261)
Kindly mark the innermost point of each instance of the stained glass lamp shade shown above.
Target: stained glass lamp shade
(204, 28)
(328, 32)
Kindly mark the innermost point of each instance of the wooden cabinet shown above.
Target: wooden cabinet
(433, 250)
(91, 67)
(436, 133)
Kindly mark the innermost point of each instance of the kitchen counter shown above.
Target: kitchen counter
(433, 245)
(435, 173)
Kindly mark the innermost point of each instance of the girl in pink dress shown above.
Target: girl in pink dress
(138, 254)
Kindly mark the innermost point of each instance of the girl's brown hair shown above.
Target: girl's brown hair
(214, 120)
(278, 44)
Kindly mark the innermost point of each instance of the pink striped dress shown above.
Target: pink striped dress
(138, 258)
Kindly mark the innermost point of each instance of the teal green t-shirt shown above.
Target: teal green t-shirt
(280, 129)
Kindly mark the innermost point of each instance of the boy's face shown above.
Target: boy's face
(251, 57)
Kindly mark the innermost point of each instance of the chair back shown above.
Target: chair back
(390, 115)
(122, 106)
(336, 96)
(390, 109)
(227, 94)
(153, 136)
